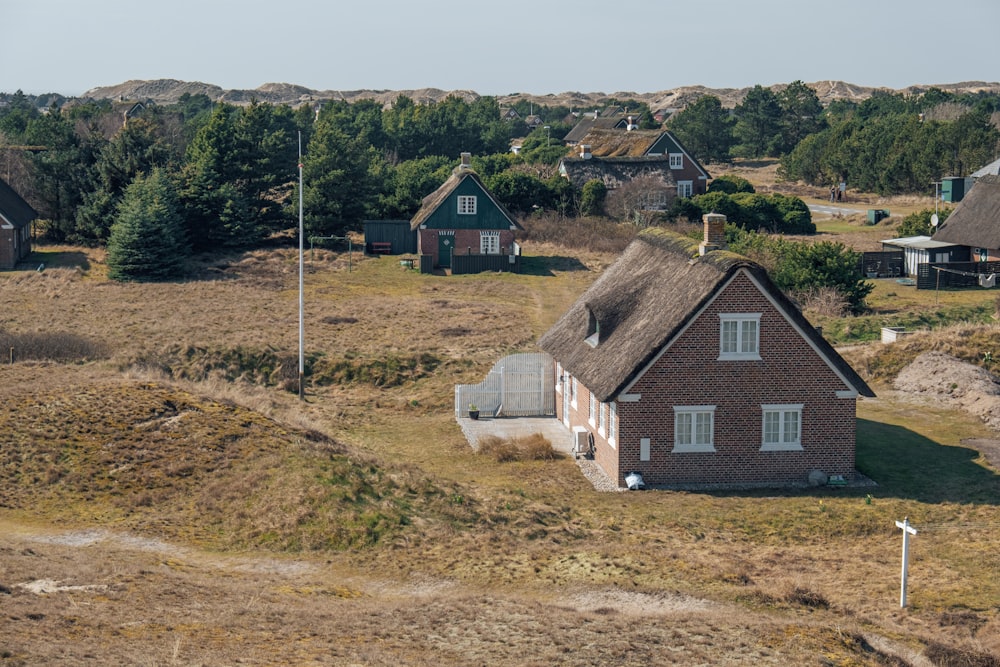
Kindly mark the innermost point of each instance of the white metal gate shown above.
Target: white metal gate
(519, 385)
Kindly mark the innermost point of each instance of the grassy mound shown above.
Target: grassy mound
(157, 459)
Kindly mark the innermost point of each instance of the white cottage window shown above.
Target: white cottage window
(489, 243)
(466, 205)
(782, 428)
(739, 336)
(694, 429)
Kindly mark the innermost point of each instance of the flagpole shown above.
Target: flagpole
(302, 330)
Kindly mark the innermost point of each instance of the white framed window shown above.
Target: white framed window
(602, 419)
(685, 188)
(466, 204)
(739, 336)
(592, 411)
(559, 378)
(489, 243)
(694, 428)
(782, 428)
(677, 161)
(572, 393)
(612, 423)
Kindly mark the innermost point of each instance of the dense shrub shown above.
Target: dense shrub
(772, 212)
(799, 267)
(918, 223)
(730, 184)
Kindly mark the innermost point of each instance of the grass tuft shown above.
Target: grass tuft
(535, 447)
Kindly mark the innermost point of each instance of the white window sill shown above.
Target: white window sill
(738, 357)
(781, 447)
(694, 449)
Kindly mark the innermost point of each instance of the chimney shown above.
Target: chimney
(631, 125)
(715, 233)
(585, 151)
(466, 161)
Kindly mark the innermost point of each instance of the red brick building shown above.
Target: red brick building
(686, 364)
(462, 217)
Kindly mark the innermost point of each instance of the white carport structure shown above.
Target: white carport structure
(920, 250)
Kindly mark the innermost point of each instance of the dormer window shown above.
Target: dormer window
(593, 329)
(466, 205)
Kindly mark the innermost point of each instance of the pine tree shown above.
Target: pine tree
(147, 241)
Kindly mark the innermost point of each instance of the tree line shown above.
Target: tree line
(891, 143)
(219, 175)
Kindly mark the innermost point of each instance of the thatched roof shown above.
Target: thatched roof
(975, 222)
(619, 143)
(13, 208)
(434, 200)
(644, 300)
(609, 120)
(614, 171)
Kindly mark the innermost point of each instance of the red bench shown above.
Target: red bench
(381, 247)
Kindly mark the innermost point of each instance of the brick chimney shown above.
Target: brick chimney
(715, 233)
(585, 151)
(466, 161)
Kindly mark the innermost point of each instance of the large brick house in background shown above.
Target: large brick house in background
(15, 227)
(463, 217)
(686, 364)
(616, 156)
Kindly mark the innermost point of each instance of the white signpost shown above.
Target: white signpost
(907, 531)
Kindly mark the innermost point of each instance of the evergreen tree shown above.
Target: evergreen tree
(147, 241)
(705, 128)
(758, 124)
(802, 114)
(339, 187)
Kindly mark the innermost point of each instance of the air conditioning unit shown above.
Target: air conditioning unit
(583, 442)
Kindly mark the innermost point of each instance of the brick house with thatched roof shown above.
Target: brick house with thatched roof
(975, 222)
(616, 156)
(686, 364)
(15, 227)
(462, 216)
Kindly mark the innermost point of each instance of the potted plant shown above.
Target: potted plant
(473, 411)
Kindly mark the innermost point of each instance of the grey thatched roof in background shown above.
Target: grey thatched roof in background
(619, 143)
(644, 300)
(14, 208)
(614, 171)
(975, 222)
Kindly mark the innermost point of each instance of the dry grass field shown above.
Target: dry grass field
(165, 498)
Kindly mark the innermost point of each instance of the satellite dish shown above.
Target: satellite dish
(934, 220)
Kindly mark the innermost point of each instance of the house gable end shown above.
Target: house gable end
(441, 208)
(852, 385)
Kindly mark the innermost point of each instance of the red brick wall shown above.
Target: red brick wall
(689, 373)
(789, 371)
(605, 454)
(465, 239)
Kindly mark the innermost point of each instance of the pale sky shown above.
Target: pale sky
(496, 48)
